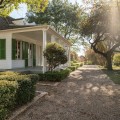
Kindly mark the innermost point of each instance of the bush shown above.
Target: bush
(7, 97)
(72, 68)
(54, 76)
(89, 63)
(116, 59)
(41, 77)
(9, 73)
(26, 89)
(55, 55)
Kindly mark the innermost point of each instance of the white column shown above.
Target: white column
(43, 48)
(52, 38)
(9, 50)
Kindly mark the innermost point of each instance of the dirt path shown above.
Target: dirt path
(87, 94)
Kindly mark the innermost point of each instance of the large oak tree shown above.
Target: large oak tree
(101, 26)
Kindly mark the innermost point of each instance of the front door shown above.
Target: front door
(30, 55)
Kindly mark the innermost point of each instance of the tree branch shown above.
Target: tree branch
(114, 47)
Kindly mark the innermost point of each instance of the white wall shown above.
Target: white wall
(7, 63)
(18, 63)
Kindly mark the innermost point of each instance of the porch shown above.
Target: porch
(24, 48)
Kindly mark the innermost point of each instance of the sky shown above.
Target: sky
(21, 13)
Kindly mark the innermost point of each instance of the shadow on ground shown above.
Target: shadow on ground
(87, 94)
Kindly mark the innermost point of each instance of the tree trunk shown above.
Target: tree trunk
(109, 61)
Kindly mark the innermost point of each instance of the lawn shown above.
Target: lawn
(114, 75)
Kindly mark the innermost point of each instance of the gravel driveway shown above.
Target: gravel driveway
(88, 94)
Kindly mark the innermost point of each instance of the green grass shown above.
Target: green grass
(114, 75)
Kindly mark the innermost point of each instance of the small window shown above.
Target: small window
(2, 49)
(16, 50)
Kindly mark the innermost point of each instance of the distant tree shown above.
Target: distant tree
(55, 55)
(116, 59)
(7, 6)
(74, 56)
(101, 25)
(94, 58)
(63, 16)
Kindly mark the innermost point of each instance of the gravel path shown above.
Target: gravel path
(87, 94)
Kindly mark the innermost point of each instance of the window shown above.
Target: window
(16, 49)
(2, 49)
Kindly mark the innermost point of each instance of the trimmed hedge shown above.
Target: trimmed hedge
(55, 76)
(15, 90)
(72, 68)
(8, 91)
(26, 89)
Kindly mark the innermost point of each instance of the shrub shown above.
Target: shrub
(116, 59)
(9, 73)
(89, 63)
(54, 76)
(55, 55)
(72, 68)
(41, 77)
(34, 78)
(7, 97)
(26, 89)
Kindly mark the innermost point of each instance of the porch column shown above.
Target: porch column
(43, 48)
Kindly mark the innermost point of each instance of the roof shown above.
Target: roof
(7, 23)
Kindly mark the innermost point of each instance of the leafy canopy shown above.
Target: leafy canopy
(102, 29)
(63, 16)
(55, 55)
(116, 59)
(7, 6)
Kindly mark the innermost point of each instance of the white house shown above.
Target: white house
(22, 45)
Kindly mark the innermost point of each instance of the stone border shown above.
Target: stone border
(25, 107)
(47, 84)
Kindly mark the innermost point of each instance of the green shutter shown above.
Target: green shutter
(14, 49)
(2, 48)
(34, 55)
(25, 53)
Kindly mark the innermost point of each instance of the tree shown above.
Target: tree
(74, 56)
(7, 6)
(63, 16)
(116, 59)
(55, 55)
(94, 58)
(101, 25)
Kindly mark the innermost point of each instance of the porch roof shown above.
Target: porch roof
(26, 28)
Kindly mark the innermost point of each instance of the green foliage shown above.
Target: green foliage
(101, 30)
(72, 68)
(89, 63)
(15, 90)
(9, 73)
(116, 59)
(7, 6)
(60, 14)
(7, 97)
(55, 55)
(54, 76)
(26, 89)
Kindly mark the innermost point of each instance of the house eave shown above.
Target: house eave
(34, 28)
